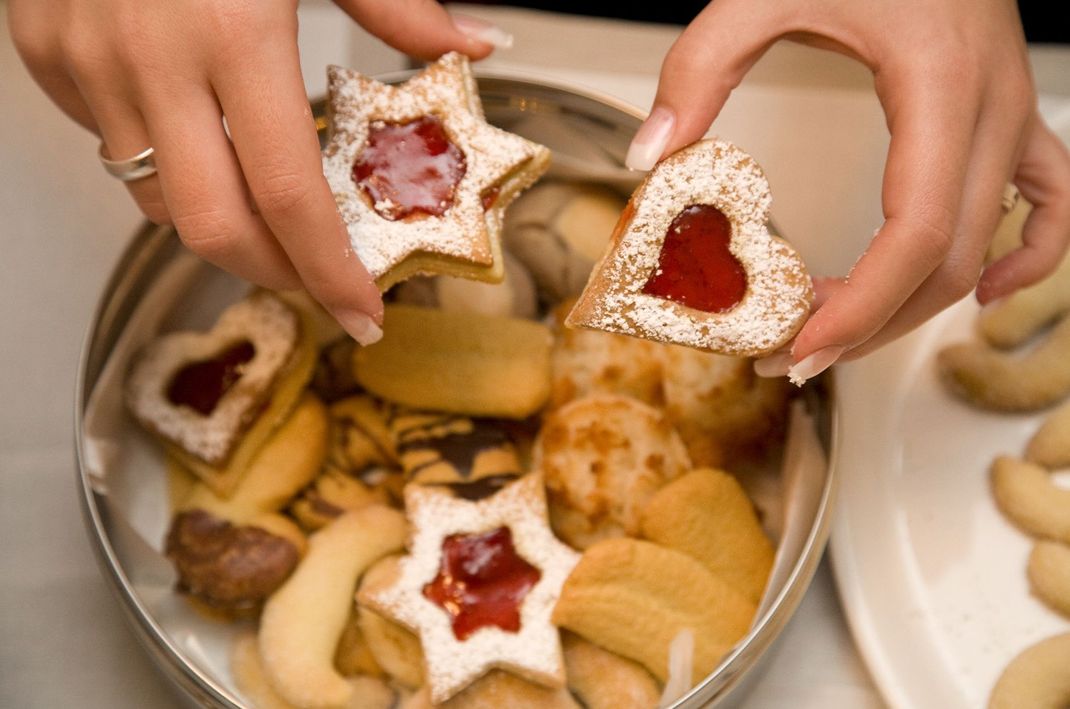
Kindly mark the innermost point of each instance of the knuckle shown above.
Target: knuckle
(281, 193)
(209, 234)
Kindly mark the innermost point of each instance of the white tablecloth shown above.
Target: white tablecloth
(63, 223)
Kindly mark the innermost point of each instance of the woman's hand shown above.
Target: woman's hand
(954, 80)
(141, 73)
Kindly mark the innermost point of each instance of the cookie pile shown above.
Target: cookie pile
(485, 508)
(1021, 363)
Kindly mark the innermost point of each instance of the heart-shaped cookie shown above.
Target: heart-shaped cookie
(200, 391)
(692, 261)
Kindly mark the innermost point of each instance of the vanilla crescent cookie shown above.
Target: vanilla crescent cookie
(692, 261)
(419, 176)
(200, 391)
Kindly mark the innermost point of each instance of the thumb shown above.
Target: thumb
(423, 29)
(708, 60)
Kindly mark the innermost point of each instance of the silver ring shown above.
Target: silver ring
(1010, 197)
(135, 168)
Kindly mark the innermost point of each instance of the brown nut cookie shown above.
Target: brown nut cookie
(1049, 575)
(603, 457)
(1036, 678)
(603, 680)
(1050, 445)
(1007, 381)
(586, 362)
(723, 410)
(707, 515)
(444, 449)
(230, 569)
(633, 597)
(1026, 494)
(497, 690)
(459, 362)
(286, 463)
(303, 620)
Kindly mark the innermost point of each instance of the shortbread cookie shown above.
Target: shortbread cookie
(514, 297)
(227, 568)
(603, 680)
(692, 261)
(334, 493)
(585, 362)
(419, 176)
(201, 391)
(498, 690)
(1015, 319)
(721, 408)
(360, 435)
(459, 362)
(707, 515)
(1050, 445)
(558, 230)
(1036, 678)
(352, 655)
(288, 462)
(479, 585)
(1049, 575)
(1007, 381)
(604, 457)
(1027, 495)
(394, 647)
(302, 621)
(632, 598)
(248, 671)
(444, 449)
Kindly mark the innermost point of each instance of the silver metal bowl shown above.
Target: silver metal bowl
(589, 134)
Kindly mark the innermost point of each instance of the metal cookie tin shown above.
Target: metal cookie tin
(125, 515)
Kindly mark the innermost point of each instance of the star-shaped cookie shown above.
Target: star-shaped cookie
(436, 516)
(426, 136)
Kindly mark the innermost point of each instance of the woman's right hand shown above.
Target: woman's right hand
(140, 73)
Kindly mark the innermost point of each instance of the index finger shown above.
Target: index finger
(931, 138)
(263, 97)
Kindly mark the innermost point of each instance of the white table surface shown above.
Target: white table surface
(63, 224)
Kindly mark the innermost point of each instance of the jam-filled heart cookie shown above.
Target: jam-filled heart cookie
(692, 261)
(201, 391)
(419, 176)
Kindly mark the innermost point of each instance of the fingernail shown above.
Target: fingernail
(775, 365)
(483, 31)
(360, 326)
(814, 364)
(650, 140)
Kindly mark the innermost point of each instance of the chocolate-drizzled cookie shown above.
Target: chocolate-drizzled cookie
(442, 449)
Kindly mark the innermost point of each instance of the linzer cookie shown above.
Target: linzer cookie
(692, 261)
(201, 391)
(419, 176)
(479, 586)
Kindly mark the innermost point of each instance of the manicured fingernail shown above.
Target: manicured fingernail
(775, 365)
(483, 31)
(814, 364)
(360, 326)
(650, 141)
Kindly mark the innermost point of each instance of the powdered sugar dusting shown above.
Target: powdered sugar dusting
(447, 90)
(261, 319)
(779, 291)
(535, 650)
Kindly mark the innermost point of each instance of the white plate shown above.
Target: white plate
(931, 575)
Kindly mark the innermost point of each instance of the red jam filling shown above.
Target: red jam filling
(201, 385)
(489, 197)
(409, 168)
(696, 268)
(482, 581)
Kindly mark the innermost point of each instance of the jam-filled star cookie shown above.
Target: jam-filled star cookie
(479, 586)
(419, 176)
(692, 261)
